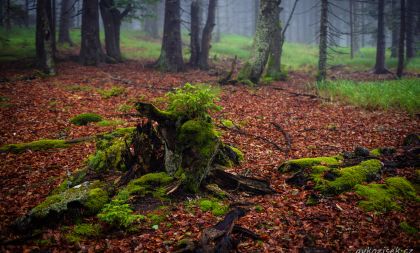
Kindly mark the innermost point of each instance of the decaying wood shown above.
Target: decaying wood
(219, 238)
(230, 181)
(228, 78)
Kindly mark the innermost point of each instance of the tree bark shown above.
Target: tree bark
(67, 11)
(7, 18)
(91, 53)
(206, 37)
(400, 67)
(380, 42)
(195, 32)
(395, 27)
(323, 42)
(274, 62)
(26, 13)
(171, 52)
(111, 18)
(410, 53)
(351, 15)
(266, 26)
(44, 40)
(1, 13)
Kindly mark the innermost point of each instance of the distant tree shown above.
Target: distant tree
(380, 41)
(91, 51)
(206, 37)
(7, 16)
(323, 42)
(26, 8)
(112, 17)
(44, 40)
(151, 21)
(266, 26)
(394, 28)
(400, 67)
(195, 46)
(170, 58)
(410, 26)
(67, 12)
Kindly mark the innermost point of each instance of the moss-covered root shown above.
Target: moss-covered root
(388, 196)
(34, 146)
(299, 164)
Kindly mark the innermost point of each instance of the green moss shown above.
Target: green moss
(112, 92)
(376, 152)
(298, 164)
(245, 73)
(88, 195)
(400, 186)
(259, 209)
(227, 123)
(408, 229)
(385, 197)
(85, 118)
(156, 219)
(34, 146)
(83, 231)
(238, 152)
(105, 123)
(377, 198)
(215, 207)
(109, 150)
(200, 135)
(349, 177)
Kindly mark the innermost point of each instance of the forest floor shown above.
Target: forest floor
(40, 108)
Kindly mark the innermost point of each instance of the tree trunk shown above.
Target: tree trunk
(8, 21)
(91, 53)
(53, 26)
(266, 26)
(171, 52)
(151, 23)
(323, 42)
(1, 13)
(380, 42)
(410, 29)
(273, 68)
(195, 32)
(111, 18)
(206, 37)
(255, 16)
(44, 40)
(26, 13)
(400, 67)
(395, 27)
(351, 15)
(67, 11)
(218, 35)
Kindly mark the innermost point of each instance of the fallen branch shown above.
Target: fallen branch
(286, 137)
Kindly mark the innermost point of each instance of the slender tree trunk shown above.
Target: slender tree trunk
(380, 42)
(44, 40)
(351, 15)
(323, 42)
(91, 51)
(395, 27)
(26, 13)
(410, 29)
(67, 11)
(171, 52)
(53, 26)
(400, 67)
(273, 68)
(255, 16)
(266, 26)
(151, 23)
(217, 36)
(8, 22)
(111, 18)
(195, 32)
(1, 13)
(206, 37)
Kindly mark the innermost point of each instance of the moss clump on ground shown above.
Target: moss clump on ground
(105, 123)
(74, 179)
(90, 196)
(215, 207)
(110, 149)
(85, 118)
(112, 92)
(119, 214)
(298, 164)
(408, 229)
(82, 231)
(386, 197)
(227, 123)
(34, 146)
(238, 152)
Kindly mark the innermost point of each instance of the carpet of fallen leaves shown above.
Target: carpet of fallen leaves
(42, 107)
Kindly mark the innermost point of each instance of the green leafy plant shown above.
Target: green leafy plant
(119, 215)
(193, 101)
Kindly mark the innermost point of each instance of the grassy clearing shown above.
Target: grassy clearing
(136, 45)
(395, 94)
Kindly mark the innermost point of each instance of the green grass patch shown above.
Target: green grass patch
(105, 123)
(85, 118)
(34, 146)
(112, 92)
(385, 95)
